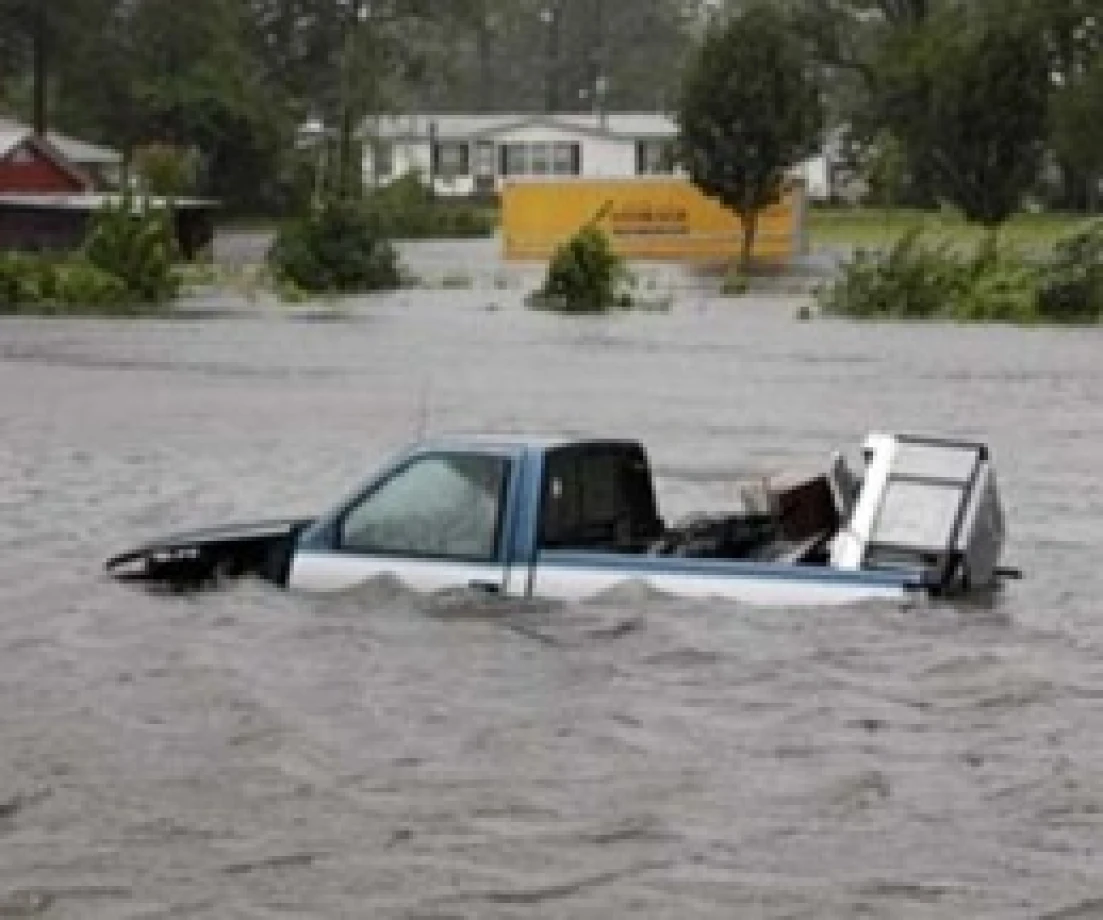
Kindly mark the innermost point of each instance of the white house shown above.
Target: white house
(471, 154)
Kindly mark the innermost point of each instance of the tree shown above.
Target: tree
(1078, 129)
(750, 110)
(1073, 30)
(969, 101)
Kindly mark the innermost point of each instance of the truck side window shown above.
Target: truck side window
(440, 506)
(597, 498)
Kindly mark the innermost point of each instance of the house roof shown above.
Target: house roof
(90, 201)
(77, 151)
(472, 126)
(9, 140)
(13, 140)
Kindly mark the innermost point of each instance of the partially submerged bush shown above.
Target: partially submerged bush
(42, 284)
(918, 281)
(406, 209)
(340, 248)
(584, 276)
(1071, 287)
(910, 281)
(82, 284)
(995, 285)
(126, 263)
(137, 244)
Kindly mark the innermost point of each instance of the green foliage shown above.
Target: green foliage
(82, 284)
(339, 248)
(994, 285)
(750, 109)
(914, 280)
(406, 209)
(126, 264)
(41, 284)
(1072, 282)
(135, 243)
(166, 170)
(910, 281)
(584, 276)
(25, 281)
(969, 102)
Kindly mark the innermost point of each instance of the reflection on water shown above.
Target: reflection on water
(381, 754)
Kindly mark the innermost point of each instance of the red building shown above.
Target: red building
(32, 165)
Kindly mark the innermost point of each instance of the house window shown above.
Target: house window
(515, 160)
(484, 158)
(451, 158)
(567, 159)
(654, 157)
(541, 159)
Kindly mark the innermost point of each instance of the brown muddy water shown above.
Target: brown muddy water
(254, 754)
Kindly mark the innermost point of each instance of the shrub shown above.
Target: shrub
(24, 281)
(1071, 286)
(126, 262)
(80, 284)
(910, 281)
(584, 276)
(137, 245)
(41, 284)
(166, 170)
(340, 248)
(406, 209)
(918, 281)
(996, 286)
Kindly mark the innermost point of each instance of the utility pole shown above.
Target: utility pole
(349, 173)
(551, 16)
(599, 77)
(484, 37)
(41, 37)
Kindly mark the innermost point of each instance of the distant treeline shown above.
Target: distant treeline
(233, 79)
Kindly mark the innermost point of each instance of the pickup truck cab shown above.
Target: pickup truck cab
(569, 518)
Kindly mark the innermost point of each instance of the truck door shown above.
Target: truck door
(598, 517)
(437, 521)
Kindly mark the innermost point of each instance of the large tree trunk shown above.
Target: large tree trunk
(749, 222)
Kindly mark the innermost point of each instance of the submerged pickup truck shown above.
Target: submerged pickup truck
(569, 518)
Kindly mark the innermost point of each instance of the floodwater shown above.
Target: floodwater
(254, 754)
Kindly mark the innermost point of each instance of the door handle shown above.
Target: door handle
(488, 586)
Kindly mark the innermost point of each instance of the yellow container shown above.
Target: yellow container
(661, 218)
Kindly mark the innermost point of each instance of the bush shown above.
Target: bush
(137, 245)
(341, 248)
(584, 276)
(1071, 286)
(126, 262)
(40, 284)
(167, 170)
(995, 285)
(82, 284)
(25, 281)
(910, 281)
(407, 210)
(914, 281)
